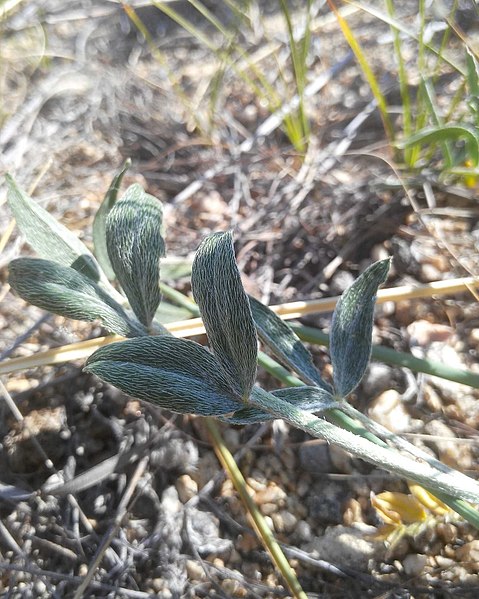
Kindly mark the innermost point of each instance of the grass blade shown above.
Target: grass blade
(262, 529)
(368, 73)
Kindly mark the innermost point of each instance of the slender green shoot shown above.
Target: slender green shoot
(367, 70)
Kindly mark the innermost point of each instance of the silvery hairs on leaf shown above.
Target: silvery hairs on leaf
(225, 309)
(134, 238)
(175, 374)
(285, 344)
(50, 239)
(309, 399)
(352, 326)
(99, 222)
(62, 290)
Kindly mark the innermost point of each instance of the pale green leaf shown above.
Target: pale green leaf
(352, 326)
(285, 344)
(169, 313)
(134, 237)
(50, 239)
(309, 399)
(225, 309)
(175, 374)
(65, 291)
(174, 268)
(99, 222)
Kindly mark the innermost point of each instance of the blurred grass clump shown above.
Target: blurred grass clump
(432, 64)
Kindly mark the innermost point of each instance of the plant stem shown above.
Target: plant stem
(335, 416)
(457, 485)
(391, 356)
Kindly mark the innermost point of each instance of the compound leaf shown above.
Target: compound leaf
(352, 326)
(65, 291)
(99, 222)
(285, 344)
(135, 244)
(175, 374)
(225, 309)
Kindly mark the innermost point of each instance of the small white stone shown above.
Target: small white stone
(303, 531)
(194, 570)
(39, 587)
(414, 564)
(389, 410)
(347, 545)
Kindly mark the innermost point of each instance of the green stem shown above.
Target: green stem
(390, 356)
(335, 416)
(179, 299)
(457, 485)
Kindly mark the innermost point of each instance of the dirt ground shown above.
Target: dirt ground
(81, 91)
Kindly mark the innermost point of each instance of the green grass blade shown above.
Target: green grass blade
(403, 84)
(368, 72)
(444, 134)
(375, 12)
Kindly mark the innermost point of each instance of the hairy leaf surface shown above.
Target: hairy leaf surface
(99, 222)
(352, 326)
(310, 399)
(62, 290)
(225, 309)
(134, 237)
(176, 374)
(285, 344)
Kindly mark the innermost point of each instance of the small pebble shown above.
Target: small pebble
(444, 562)
(314, 456)
(186, 487)
(158, 584)
(447, 532)
(82, 570)
(389, 410)
(414, 564)
(39, 587)
(352, 512)
(341, 460)
(230, 587)
(347, 545)
(284, 521)
(194, 570)
(474, 337)
(452, 453)
(272, 494)
(303, 531)
(469, 555)
(377, 379)
(268, 508)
